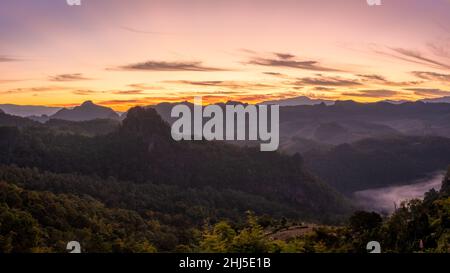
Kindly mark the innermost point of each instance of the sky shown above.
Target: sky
(121, 53)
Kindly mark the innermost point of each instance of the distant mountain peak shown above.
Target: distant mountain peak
(445, 99)
(300, 100)
(346, 103)
(86, 111)
(88, 103)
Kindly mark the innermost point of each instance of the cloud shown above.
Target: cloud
(129, 29)
(419, 56)
(373, 77)
(128, 92)
(440, 48)
(85, 92)
(327, 81)
(378, 79)
(170, 66)
(276, 74)
(288, 61)
(118, 102)
(210, 93)
(143, 86)
(322, 88)
(35, 90)
(227, 84)
(10, 81)
(376, 93)
(256, 98)
(82, 92)
(432, 76)
(429, 92)
(412, 56)
(284, 56)
(5, 59)
(68, 77)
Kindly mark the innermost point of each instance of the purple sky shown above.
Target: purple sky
(123, 53)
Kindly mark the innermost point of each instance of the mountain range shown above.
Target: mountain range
(141, 151)
(84, 112)
(126, 186)
(302, 100)
(28, 110)
(338, 123)
(352, 134)
(47, 111)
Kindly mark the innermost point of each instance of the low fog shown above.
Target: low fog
(384, 199)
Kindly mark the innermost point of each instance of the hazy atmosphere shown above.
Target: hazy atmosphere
(225, 126)
(121, 53)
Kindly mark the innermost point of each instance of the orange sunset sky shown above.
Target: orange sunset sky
(140, 52)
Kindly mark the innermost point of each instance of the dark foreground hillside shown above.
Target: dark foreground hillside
(42, 221)
(149, 186)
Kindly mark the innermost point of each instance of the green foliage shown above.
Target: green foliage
(222, 238)
(33, 221)
(136, 190)
(142, 151)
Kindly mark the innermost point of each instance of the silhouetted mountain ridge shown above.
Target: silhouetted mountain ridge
(142, 151)
(86, 111)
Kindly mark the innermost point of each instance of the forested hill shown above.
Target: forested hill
(142, 151)
(381, 162)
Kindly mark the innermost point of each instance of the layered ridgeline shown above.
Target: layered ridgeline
(177, 186)
(348, 145)
(381, 162)
(354, 146)
(86, 111)
(93, 125)
(349, 121)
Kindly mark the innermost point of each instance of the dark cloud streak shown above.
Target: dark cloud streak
(170, 66)
(288, 61)
(68, 77)
(377, 93)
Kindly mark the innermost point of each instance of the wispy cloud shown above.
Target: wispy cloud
(244, 85)
(10, 81)
(128, 92)
(35, 89)
(429, 92)
(376, 93)
(412, 56)
(284, 56)
(417, 55)
(5, 59)
(324, 89)
(321, 80)
(139, 31)
(440, 48)
(143, 86)
(276, 74)
(68, 77)
(170, 66)
(287, 60)
(379, 79)
(84, 92)
(432, 76)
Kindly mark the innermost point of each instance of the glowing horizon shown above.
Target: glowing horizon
(126, 53)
